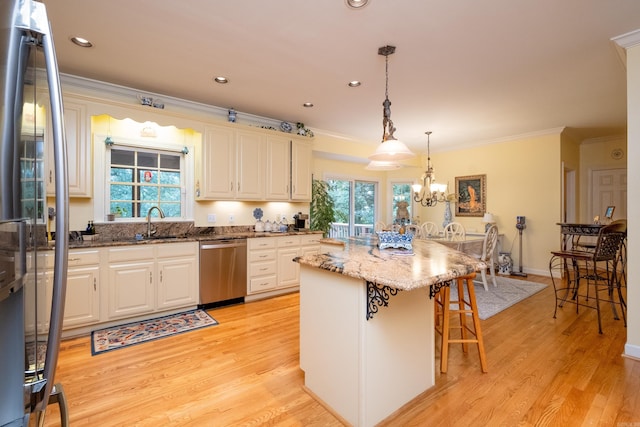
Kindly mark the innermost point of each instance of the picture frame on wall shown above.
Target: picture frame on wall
(472, 195)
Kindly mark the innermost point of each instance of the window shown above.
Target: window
(355, 207)
(140, 179)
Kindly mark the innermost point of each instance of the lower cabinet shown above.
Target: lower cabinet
(149, 278)
(270, 261)
(82, 302)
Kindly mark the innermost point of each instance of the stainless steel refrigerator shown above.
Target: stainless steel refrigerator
(31, 296)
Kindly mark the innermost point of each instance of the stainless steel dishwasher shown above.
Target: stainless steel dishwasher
(223, 272)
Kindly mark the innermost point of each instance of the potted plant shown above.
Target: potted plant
(321, 208)
(117, 211)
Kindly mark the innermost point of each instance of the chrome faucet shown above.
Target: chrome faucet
(149, 233)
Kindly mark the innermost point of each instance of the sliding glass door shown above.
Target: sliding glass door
(355, 206)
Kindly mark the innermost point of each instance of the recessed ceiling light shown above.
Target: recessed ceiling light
(82, 42)
(308, 104)
(221, 80)
(356, 4)
(354, 83)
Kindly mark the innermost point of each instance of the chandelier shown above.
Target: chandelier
(429, 193)
(390, 150)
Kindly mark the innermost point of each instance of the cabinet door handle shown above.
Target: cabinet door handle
(263, 269)
(160, 276)
(50, 176)
(238, 186)
(263, 256)
(231, 186)
(150, 277)
(94, 284)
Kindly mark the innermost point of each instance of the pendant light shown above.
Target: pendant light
(390, 150)
(429, 193)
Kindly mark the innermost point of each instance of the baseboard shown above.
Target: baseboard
(632, 351)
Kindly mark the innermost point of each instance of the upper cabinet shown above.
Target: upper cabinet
(300, 171)
(246, 164)
(232, 164)
(278, 178)
(78, 151)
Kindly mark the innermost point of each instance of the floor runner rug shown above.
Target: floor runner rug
(122, 336)
(498, 298)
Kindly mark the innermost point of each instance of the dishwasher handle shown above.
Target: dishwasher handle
(224, 244)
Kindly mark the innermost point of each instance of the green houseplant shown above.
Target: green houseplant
(321, 207)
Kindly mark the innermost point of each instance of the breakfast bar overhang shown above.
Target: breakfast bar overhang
(367, 324)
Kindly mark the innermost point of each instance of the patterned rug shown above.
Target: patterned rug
(498, 298)
(138, 332)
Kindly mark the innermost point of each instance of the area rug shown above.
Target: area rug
(122, 336)
(498, 298)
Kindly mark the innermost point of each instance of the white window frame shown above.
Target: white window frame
(102, 167)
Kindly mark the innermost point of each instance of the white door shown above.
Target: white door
(609, 188)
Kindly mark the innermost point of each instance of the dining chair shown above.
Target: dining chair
(413, 229)
(455, 231)
(428, 229)
(598, 268)
(488, 251)
(379, 226)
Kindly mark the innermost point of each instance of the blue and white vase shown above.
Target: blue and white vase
(447, 214)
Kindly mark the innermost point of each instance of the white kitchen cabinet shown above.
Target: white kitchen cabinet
(78, 137)
(278, 170)
(288, 270)
(310, 244)
(262, 269)
(232, 164)
(177, 275)
(152, 278)
(218, 163)
(131, 282)
(82, 302)
(300, 170)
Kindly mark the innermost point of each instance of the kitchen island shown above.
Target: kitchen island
(367, 324)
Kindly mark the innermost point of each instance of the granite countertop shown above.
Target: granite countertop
(126, 241)
(430, 263)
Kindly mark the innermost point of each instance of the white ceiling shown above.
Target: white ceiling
(470, 71)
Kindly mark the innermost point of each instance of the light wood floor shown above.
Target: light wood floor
(542, 371)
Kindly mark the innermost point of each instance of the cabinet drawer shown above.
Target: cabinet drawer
(310, 239)
(261, 256)
(173, 250)
(262, 243)
(262, 284)
(288, 241)
(262, 268)
(83, 258)
(130, 254)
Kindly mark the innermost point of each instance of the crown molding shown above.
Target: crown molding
(624, 42)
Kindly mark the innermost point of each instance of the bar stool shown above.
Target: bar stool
(466, 304)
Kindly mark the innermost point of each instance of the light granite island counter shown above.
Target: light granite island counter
(367, 324)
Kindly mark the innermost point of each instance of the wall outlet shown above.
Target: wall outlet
(231, 218)
(211, 218)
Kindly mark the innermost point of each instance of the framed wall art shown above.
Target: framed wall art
(472, 195)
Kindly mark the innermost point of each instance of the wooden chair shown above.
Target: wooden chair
(455, 231)
(598, 268)
(488, 250)
(379, 226)
(464, 305)
(428, 229)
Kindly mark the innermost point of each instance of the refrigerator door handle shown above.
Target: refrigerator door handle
(38, 22)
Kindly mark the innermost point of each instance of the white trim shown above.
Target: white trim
(631, 350)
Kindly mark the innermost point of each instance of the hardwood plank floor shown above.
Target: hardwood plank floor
(245, 372)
